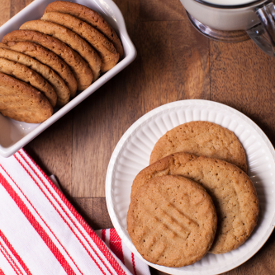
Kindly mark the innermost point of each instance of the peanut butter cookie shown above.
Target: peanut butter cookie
(48, 58)
(106, 50)
(231, 189)
(21, 101)
(62, 91)
(70, 38)
(172, 221)
(79, 66)
(28, 75)
(89, 16)
(201, 138)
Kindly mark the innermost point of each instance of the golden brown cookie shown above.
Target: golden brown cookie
(201, 138)
(231, 189)
(62, 91)
(48, 58)
(28, 75)
(90, 16)
(172, 221)
(106, 50)
(22, 102)
(70, 38)
(79, 66)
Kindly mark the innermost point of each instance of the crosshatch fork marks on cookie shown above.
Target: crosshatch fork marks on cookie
(168, 226)
(171, 220)
(176, 221)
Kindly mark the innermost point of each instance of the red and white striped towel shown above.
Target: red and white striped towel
(41, 233)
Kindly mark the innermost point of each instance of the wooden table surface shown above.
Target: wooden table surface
(174, 62)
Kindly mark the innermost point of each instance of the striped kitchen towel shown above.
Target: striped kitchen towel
(113, 241)
(41, 233)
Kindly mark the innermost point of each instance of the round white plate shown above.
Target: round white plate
(132, 154)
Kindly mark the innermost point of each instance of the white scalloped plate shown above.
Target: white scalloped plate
(132, 154)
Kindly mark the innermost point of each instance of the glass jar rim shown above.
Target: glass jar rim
(219, 6)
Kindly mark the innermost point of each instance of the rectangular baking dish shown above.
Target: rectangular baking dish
(14, 134)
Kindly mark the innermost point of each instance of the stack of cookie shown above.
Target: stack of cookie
(194, 197)
(46, 61)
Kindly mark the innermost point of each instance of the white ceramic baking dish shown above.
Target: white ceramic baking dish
(14, 134)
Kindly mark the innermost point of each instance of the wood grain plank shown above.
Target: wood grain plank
(175, 67)
(9, 8)
(93, 210)
(150, 10)
(52, 151)
(4, 11)
(242, 76)
(18, 5)
(166, 41)
(161, 10)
